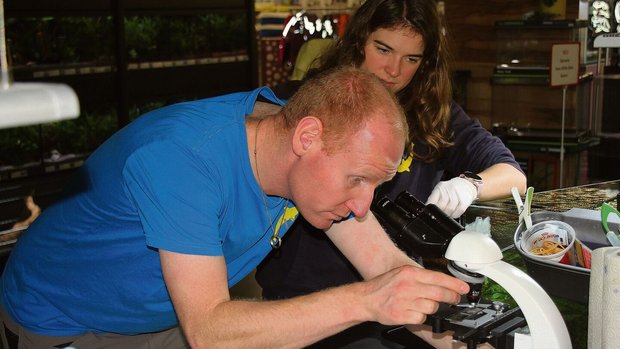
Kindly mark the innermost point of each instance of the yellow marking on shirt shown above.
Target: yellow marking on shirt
(290, 213)
(405, 164)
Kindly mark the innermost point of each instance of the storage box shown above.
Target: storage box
(561, 280)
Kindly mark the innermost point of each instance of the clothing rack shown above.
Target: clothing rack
(277, 51)
(318, 7)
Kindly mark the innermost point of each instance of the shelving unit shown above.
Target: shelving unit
(520, 81)
(528, 111)
(112, 71)
(125, 81)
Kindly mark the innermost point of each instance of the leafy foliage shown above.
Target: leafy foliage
(43, 43)
(59, 40)
(79, 136)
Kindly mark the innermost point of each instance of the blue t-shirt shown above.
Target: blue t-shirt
(179, 179)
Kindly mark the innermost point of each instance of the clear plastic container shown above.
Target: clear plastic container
(548, 240)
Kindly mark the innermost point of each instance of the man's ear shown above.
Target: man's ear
(307, 133)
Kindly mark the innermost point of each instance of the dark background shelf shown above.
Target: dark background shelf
(123, 86)
(113, 84)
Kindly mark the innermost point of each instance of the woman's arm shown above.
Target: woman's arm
(498, 181)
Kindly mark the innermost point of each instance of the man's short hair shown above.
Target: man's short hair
(344, 99)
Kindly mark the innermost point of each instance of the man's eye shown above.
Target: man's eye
(357, 180)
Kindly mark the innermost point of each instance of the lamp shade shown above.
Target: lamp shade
(31, 103)
(610, 40)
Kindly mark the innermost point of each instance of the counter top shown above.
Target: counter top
(504, 221)
(504, 216)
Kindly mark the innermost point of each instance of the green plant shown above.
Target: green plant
(141, 33)
(174, 37)
(59, 40)
(33, 143)
(492, 291)
(225, 32)
(19, 145)
(81, 135)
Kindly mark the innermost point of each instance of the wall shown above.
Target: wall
(471, 25)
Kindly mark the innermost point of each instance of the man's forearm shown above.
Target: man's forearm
(290, 323)
(404, 295)
(210, 319)
(367, 246)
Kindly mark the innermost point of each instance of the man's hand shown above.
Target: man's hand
(397, 290)
(454, 196)
(407, 294)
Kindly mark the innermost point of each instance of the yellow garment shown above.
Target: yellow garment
(307, 56)
(405, 163)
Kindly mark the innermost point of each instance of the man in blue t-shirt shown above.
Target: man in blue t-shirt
(185, 201)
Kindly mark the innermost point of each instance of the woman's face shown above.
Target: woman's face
(393, 55)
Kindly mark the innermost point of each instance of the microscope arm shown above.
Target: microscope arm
(478, 253)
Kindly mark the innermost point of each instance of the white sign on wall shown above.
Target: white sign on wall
(565, 64)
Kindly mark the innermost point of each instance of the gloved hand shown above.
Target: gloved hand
(453, 196)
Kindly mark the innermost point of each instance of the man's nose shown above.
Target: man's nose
(360, 205)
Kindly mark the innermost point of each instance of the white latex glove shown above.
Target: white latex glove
(453, 197)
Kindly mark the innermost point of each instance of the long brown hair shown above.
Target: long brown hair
(427, 98)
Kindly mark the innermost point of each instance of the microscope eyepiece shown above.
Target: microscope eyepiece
(395, 216)
(418, 229)
(432, 215)
(424, 230)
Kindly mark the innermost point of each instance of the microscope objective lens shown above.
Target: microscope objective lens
(475, 291)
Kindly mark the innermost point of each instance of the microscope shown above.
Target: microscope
(424, 230)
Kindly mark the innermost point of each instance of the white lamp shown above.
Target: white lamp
(31, 103)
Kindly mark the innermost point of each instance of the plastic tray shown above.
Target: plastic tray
(561, 280)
